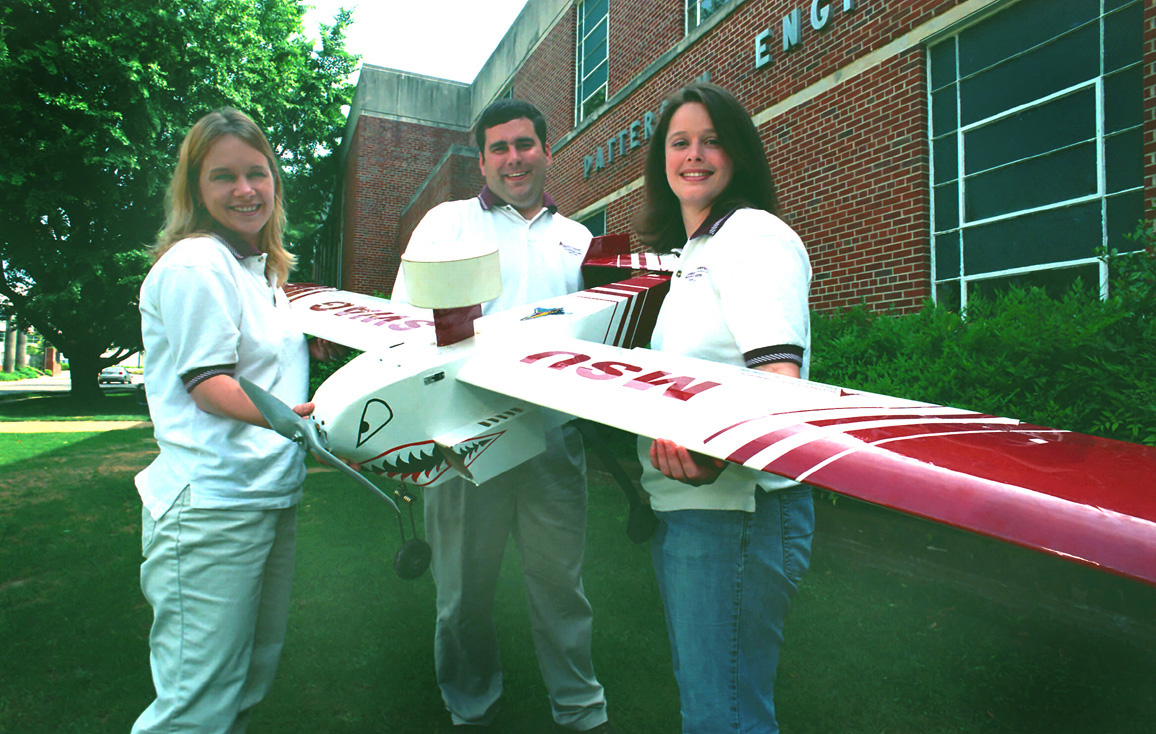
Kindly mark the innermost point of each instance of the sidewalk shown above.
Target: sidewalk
(48, 384)
(68, 426)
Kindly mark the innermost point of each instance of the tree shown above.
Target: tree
(95, 97)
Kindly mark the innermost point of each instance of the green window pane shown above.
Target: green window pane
(1124, 212)
(593, 12)
(1020, 27)
(1124, 160)
(1063, 63)
(1123, 100)
(945, 155)
(943, 112)
(1123, 37)
(942, 57)
(1054, 235)
(1048, 179)
(1054, 281)
(946, 206)
(596, 79)
(595, 36)
(1057, 124)
(947, 255)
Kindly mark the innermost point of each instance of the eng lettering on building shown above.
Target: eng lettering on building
(792, 29)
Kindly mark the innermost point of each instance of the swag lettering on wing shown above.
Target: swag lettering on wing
(679, 387)
(396, 322)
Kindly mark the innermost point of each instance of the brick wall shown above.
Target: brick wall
(457, 178)
(393, 159)
(547, 78)
(852, 168)
(849, 157)
(640, 32)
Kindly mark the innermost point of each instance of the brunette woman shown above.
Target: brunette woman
(732, 543)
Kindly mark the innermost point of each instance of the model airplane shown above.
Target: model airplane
(416, 412)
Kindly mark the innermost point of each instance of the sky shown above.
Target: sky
(450, 39)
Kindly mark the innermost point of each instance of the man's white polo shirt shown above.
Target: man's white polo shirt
(541, 257)
(203, 306)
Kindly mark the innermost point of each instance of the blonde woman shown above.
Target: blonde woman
(220, 500)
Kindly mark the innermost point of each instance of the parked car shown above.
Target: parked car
(115, 374)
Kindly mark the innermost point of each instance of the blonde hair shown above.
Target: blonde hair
(186, 215)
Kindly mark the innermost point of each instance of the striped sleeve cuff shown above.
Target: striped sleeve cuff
(770, 355)
(192, 378)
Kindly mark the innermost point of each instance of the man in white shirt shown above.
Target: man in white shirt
(542, 502)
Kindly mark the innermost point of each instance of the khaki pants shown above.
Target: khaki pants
(218, 582)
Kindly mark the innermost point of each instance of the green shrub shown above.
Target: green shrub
(1076, 362)
(23, 373)
(319, 372)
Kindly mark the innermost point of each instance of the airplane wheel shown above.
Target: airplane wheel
(412, 559)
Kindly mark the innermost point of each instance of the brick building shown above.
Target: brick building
(923, 148)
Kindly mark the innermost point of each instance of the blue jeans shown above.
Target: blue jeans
(726, 579)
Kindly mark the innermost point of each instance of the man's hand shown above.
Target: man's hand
(681, 464)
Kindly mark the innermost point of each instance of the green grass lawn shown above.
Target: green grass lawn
(872, 646)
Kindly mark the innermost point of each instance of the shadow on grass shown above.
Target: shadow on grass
(115, 403)
(880, 641)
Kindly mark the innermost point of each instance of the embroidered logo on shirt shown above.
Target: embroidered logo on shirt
(570, 249)
(699, 272)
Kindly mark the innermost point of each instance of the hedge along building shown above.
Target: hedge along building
(922, 149)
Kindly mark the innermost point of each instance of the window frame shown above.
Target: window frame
(597, 213)
(956, 233)
(580, 72)
(694, 7)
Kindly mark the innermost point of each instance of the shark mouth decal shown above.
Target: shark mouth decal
(421, 463)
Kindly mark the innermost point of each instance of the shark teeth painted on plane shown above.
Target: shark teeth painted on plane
(421, 463)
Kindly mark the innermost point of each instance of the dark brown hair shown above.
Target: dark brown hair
(659, 224)
(502, 111)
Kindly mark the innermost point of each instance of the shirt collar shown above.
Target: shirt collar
(489, 199)
(239, 247)
(713, 223)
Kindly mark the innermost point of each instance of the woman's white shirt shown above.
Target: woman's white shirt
(202, 306)
(740, 290)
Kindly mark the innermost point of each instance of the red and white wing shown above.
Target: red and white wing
(613, 251)
(1084, 498)
(356, 320)
(653, 261)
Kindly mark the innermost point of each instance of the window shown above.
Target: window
(1036, 145)
(698, 11)
(592, 57)
(596, 223)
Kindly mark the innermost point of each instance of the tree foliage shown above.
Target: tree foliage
(95, 97)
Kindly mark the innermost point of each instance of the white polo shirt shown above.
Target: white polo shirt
(739, 296)
(203, 306)
(541, 257)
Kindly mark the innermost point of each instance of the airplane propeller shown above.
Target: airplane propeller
(413, 557)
